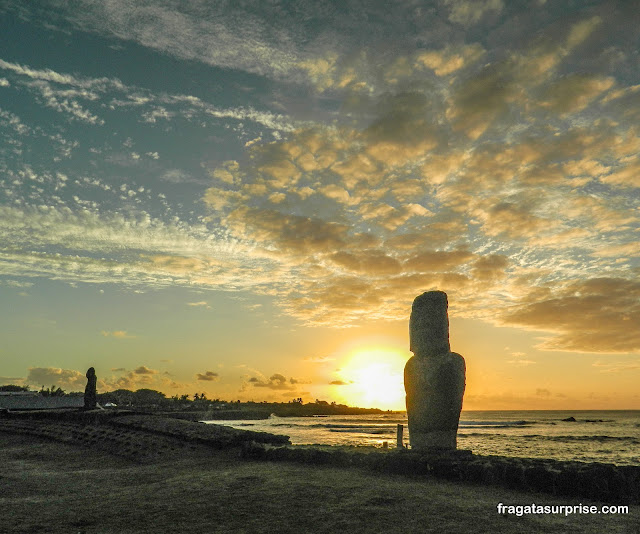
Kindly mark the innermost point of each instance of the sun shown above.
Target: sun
(375, 378)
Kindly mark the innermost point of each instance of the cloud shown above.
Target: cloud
(501, 168)
(49, 75)
(490, 267)
(627, 175)
(581, 30)
(574, 92)
(319, 359)
(67, 379)
(623, 251)
(144, 370)
(265, 40)
(494, 189)
(437, 260)
(91, 100)
(118, 334)
(374, 262)
(519, 359)
(509, 84)
(137, 250)
(340, 383)
(199, 304)
(618, 367)
(188, 32)
(468, 12)
(6, 380)
(276, 382)
(131, 380)
(47, 84)
(478, 101)
(295, 233)
(177, 176)
(521, 362)
(448, 60)
(593, 315)
(208, 376)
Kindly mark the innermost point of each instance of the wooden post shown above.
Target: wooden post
(399, 437)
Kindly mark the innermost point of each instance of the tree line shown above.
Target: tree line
(151, 398)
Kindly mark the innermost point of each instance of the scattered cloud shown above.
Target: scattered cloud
(118, 334)
(319, 359)
(199, 304)
(451, 59)
(522, 362)
(574, 92)
(502, 169)
(520, 359)
(468, 12)
(208, 376)
(6, 380)
(67, 379)
(144, 370)
(592, 315)
(275, 382)
(617, 367)
(90, 100)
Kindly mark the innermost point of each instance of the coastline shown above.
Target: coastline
(171, 452)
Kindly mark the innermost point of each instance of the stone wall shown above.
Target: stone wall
(604, 482)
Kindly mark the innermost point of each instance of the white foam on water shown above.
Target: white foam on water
(594, 436)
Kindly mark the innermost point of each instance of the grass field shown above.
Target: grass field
(48, 486)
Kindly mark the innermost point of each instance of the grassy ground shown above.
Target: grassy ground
(53, 487)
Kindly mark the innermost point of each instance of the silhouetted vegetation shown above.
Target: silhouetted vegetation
(52, 391)
(150, 399)
(12, 388)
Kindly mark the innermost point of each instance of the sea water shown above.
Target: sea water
(594, 436)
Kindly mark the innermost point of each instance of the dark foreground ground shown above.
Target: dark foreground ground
(48, 486)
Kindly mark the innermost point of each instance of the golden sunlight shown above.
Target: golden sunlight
(376, 379)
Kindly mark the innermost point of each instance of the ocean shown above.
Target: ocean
(594, 436)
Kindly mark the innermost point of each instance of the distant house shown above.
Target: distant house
(32, 400)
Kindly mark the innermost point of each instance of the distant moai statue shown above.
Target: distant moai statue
(90, 392)
(434, 377)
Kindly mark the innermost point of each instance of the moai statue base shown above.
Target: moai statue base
(434, 378)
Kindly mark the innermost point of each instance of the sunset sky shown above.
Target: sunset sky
(243, 198)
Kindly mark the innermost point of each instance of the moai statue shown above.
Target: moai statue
(90, 393)
(434, 377)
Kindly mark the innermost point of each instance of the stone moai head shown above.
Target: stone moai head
(91, 372)
(429, 325)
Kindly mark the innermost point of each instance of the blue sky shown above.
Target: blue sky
(244, 198)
